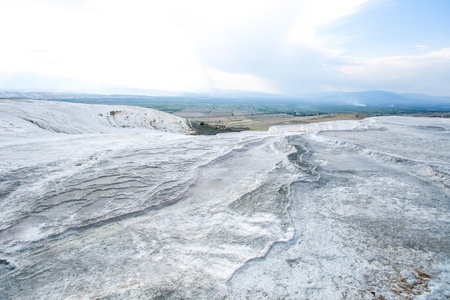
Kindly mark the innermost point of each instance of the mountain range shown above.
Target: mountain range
(364, 98)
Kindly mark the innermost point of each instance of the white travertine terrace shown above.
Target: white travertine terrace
(116, 202)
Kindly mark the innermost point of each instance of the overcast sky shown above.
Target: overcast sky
(278, 46)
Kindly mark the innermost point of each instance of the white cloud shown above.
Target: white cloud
(427, 73)
(135, 43)
(315, 14)
(265, 45)
(372, 68)
(275, 46)
(106, 43)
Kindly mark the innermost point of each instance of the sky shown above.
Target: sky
(273, 46)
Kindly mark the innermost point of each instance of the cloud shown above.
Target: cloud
(266, 45)
(315, 14)
(283, 47)
(174, 44)
(427, 73)
(115, 42)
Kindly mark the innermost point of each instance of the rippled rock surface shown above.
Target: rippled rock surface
(101, 202)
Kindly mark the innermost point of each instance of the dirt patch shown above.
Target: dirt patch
(202, 128)
(265, 121)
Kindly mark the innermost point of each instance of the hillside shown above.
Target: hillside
(28, 116)
(379, 99)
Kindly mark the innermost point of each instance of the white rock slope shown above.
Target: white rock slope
(97, 204)
(28, 116)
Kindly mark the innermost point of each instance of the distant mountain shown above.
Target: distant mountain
(376, 98)
(25, 82)
(72, 95)
(223, 93)
(367, 98)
